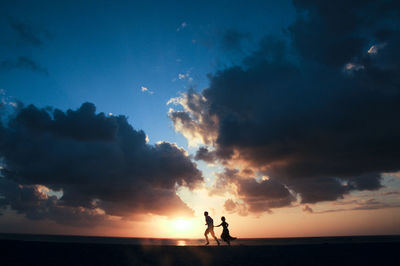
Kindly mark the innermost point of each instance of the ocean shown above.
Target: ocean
(201, 242)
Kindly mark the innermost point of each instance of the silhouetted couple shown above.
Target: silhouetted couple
(210, 230)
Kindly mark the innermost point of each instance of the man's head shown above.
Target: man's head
(205, 213)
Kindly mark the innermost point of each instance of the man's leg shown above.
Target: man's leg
(206, 235)
(213, 235)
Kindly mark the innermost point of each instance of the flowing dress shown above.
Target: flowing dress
(225, 233)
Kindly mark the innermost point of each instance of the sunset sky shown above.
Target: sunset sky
(132, 118)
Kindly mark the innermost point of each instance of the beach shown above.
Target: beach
(35, 252)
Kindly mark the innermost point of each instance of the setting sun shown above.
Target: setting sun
(182, 225)
(207, 132)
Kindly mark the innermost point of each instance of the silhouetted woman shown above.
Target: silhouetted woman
(225, 232)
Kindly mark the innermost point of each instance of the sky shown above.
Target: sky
(132, 118)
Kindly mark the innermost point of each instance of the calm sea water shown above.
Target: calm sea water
(201, 242)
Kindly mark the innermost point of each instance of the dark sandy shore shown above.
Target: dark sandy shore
(15, 252)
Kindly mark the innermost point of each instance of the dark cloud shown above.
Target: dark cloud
(99, 165)
(29, 35)
(370, 204)
(24, 38)
(318, 114)
(229, 205)
(232, 206)
(233, 40)
(391, 193)
(36, 204)
(264, 195)
(308, 209)
(22, 62)
(334, 33)
(205, 155)
(257, 196)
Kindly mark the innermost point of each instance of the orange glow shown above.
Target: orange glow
(182, 225)
(181, 243)
(286, 222)
(281, 222)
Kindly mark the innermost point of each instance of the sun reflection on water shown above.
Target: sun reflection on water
(181, 243)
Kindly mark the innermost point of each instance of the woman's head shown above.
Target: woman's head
(223, 218)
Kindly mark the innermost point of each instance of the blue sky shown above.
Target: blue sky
(103, 52)
(293, 108)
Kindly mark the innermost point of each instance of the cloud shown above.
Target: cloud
(264, 195)
(375, 48)
(28, 38)
(257, 196)
(22, 62)
(353, 67)
(5, 101)
(184, 76)
(99, 165)
(308, 209)
(197, 127)
(370, 204)
(290, 112)
(29, 35)
(391, 193)
(229, 205)
(146, 90)
(181, 76)
(342, 28)
(182, 26)
(394, 174)
(35, 204)
(233, 40)
(205, 155)
(240, 208)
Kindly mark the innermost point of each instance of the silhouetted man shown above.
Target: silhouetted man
(210, 228)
